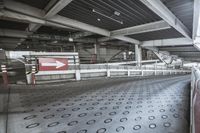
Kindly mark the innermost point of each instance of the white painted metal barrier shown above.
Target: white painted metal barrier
(92, 71)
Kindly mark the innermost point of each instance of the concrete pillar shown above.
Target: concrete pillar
(97, 51)
(138, 55)
(74, 48)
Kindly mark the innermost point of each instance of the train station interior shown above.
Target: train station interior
(99, 66)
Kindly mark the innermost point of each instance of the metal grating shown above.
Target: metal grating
(110, 106)
(41, 4)
(162, 34)
(131, 13)
(6, 24)
(182, 9)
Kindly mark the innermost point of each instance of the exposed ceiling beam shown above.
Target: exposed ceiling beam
(8, 45)
(13, 33)
(25, 34)
(154, 49)
(79, 25)
(185, 53)
(57, 20)
(31, 12)
(179, 49)
(51, 10)
(57, 7)
(81, 34)
(9, 40)
(188, 54)
(196, 19)
(127, 39)
(168, 42)
(149, 27)
(191, 59)
(161, 10)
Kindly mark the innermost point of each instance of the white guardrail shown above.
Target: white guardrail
(89, 71)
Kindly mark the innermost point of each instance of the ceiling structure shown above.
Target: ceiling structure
(162, 24)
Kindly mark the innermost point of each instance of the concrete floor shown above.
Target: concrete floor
(154, 105)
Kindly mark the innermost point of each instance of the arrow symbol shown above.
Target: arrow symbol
(57, 64)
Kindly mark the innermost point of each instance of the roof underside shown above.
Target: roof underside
(131, 13)
(35, 3)
(111, 15)
(162, 34)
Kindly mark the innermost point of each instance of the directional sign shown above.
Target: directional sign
(52, 64)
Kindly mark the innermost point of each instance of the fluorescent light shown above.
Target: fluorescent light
(71, 39)
(55, 42)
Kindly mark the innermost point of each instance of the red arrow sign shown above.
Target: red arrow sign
(52, 64)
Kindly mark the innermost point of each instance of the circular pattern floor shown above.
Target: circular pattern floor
(156, 105)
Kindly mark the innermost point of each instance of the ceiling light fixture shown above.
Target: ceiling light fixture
(117, 13)
(70, 37)
(55, 42)
(118, 21)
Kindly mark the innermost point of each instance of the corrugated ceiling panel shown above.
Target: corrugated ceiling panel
(5, 24)
(182, 9)
(162, 34)
(35, 3)
(132, 12)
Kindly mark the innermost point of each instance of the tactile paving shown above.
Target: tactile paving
(159, 105)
